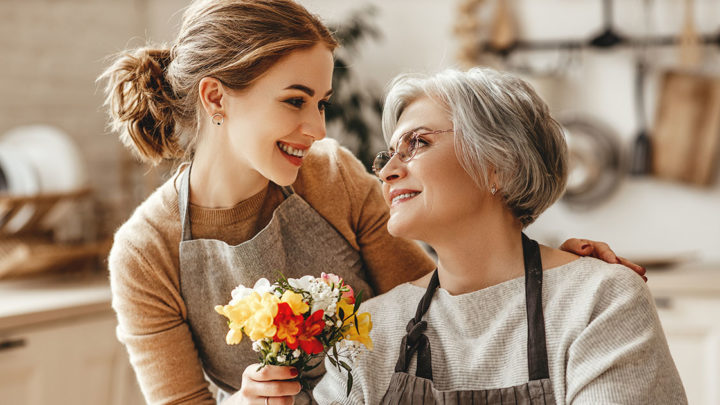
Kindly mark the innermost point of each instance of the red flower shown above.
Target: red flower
(313, 326)
(288, 326)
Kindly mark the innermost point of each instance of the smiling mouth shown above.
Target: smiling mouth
(403, 197)
(298, 153)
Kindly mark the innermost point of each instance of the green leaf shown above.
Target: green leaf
(341, 314)
(349, 384)
(358, 300)
(345, 366)
(357, 328)
(334, 363)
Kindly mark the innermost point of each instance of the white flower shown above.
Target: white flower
(281, 358)
(297, 353)
(257, 345)
(240, 292)
(302, 283)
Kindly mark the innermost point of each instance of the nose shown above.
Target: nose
(393, 170)
(314, 125)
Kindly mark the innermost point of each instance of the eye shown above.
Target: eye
(323, 105)
(296, 102)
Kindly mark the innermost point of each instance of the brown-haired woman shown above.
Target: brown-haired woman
(241, 94)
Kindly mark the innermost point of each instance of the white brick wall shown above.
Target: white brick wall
(51, 52)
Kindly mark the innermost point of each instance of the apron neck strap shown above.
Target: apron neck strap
(536, 347)
(184, 203)
(416, 341)
(287, 191)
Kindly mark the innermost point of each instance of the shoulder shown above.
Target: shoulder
(592, 286)
(150, 233)
(331, 163)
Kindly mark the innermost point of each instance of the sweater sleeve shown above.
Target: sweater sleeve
(622, 357)
(151, 320)
(389, 261)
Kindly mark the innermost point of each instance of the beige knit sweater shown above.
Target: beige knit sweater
(605, 343)
(144, 262)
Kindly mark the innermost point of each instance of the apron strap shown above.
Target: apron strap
(415, 340)
(536, 347)
(287, 191)
(184, 203)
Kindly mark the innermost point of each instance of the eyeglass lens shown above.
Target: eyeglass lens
(405, 150)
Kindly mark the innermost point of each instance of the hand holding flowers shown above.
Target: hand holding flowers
(293, 322)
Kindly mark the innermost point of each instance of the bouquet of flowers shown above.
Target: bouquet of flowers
(295, 321)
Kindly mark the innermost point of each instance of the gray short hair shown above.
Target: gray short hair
(500, 122)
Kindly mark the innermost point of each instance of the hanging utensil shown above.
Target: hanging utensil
(641, 163)
(689, 51)
(642, 148)
(608, 37)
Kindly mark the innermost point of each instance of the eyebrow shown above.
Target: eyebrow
(392, 147)
(307, 90)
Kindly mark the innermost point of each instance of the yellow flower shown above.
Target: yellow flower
(261, 323)
(361, 331)
(253, 314)
(295, 301)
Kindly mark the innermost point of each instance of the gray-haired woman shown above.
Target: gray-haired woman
(475, 157)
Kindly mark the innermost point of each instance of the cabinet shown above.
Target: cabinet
(688, 304)
(62, 350)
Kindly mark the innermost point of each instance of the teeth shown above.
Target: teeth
(292, 151)
(404, 196)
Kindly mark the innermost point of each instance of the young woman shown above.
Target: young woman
(474, 158)
(241, 95)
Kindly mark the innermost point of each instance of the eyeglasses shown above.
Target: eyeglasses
(406, 148)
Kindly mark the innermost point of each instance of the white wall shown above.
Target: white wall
(645, 217)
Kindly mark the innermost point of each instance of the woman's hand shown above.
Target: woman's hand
(599, 250)
(268, 385)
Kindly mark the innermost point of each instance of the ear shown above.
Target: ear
(211, 93)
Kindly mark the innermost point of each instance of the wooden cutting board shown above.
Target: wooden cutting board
(686, 137)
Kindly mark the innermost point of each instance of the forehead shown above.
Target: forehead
(424, 112)
(311, 67)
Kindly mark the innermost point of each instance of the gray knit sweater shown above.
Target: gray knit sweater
(604, 340)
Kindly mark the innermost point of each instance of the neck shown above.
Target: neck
(218, 180)
(480, 252)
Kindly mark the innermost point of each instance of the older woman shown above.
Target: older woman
(475, 157)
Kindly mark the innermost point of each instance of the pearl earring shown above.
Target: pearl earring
(493, 189)
(217, 119)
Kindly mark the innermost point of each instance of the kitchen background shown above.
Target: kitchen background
(51, 52)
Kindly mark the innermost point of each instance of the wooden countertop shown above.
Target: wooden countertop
(41, 299)
(694, 279)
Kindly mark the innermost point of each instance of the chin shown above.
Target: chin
(401, 228)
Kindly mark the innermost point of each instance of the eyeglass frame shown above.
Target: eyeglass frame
(415, 135)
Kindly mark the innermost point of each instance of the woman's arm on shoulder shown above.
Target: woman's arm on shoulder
(622, 355)
(600, 250)
(151, 320)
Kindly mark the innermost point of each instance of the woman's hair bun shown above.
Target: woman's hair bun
(141, 102)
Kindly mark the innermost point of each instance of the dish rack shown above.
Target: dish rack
(30, 249)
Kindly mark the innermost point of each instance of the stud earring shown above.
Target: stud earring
(217, 119)
(493, 189)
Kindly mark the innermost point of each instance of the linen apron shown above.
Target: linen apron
(418, 389)
(296, 242)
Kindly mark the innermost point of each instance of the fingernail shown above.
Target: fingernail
(293, 372)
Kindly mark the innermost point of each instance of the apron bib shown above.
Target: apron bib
(296, 242)
(418, 389)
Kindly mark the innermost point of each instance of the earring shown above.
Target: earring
(493, 189)
(217, 119)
